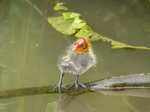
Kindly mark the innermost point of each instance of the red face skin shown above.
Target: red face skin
(80, 45)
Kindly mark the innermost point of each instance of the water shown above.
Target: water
(30, 48)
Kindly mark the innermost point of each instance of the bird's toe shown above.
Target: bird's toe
(82, 85)
(60, 86)
(77, 85)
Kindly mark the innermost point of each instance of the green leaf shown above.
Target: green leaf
(78, 24)
(60, 7)
(68, 15)
(69, 23)
(62, 25)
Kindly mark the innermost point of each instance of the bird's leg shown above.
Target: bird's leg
(60, 85)
(77, 84)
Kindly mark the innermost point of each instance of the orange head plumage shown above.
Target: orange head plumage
(82, 45)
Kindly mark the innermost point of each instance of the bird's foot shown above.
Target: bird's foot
(60, 86)
(77, 85)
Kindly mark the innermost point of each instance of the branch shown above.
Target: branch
(135, 81)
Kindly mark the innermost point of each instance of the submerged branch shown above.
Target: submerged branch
(135, 81)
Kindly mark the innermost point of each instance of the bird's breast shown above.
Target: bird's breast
(76, 63)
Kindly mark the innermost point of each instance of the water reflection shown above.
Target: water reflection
(69, 103)
(138, 104)
(130, 92)
(93, 102)
(105, 101)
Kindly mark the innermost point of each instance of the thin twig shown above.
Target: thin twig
(35, 7)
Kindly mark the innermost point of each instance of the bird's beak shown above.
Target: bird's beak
(75, 48)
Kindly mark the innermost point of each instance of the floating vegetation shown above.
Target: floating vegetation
(70, 23)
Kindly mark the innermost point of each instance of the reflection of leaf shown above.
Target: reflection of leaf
(3, 107)
(71, 24)
(52, 107)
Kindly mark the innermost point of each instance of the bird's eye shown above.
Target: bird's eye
(81, 44)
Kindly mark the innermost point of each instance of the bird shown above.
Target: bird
(77, 59)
